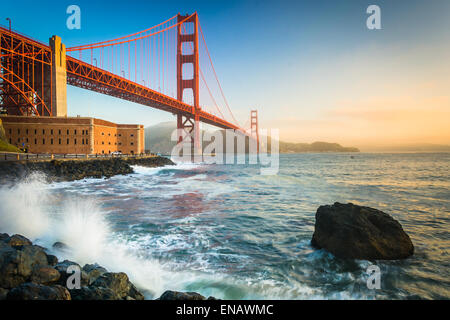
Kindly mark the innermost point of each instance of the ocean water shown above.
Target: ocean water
(229, 232)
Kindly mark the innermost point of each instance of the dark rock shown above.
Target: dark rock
(45, 275)
(62, 266)
(181, 296)
(33, 291)
(3, 236)
(52, 260)
(3, 293)
(94, 271)
(18, 241)
(134, 293)
(60, 246)
(36, 253)
(119, 284)
(355, 232)
(93, 293)
(16, 265)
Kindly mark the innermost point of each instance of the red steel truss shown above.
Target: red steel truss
(26, 78)
(25, 75)
(86, 76)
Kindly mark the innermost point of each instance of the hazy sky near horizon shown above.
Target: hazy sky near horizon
(311, 68)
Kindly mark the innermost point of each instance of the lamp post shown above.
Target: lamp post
(95, 59)
(9, 20)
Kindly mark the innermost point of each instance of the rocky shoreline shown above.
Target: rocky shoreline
(71, 170)
(28, 272)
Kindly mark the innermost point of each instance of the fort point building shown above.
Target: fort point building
(67, 135)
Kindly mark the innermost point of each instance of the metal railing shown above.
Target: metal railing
(39, 157)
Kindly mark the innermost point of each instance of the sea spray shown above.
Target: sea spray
(82, 226)
(30, 209)
(22, 207)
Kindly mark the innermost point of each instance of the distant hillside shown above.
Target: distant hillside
(4, 145)
(286, 147)
(419, 147)
(157, 139)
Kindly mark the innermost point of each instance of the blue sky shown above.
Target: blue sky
(307, 66)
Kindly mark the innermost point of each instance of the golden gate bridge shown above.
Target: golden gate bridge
(167, 67)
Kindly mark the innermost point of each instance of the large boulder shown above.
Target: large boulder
(52, 260)
(45, 275)
(60, 246)
(119, 284)
(181, 296)
(3, 294)
(34, 291)
(93, 271)
(17, 241)
(17, 264)
(355, 232)
(93, 293)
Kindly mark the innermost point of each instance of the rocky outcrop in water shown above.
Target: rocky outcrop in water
(183, 296)
(70, 170)
(153, 162)
(355, 232)
(27, 272)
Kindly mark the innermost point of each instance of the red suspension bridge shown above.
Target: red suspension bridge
(167, 67)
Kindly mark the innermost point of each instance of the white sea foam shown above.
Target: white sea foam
(22, 209)
(29, 209)
(32, 209)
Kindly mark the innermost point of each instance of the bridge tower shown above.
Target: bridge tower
(186, 123)
(254, 129)
(59, 77)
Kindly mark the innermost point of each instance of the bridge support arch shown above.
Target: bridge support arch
(191, 124)
(254, 131)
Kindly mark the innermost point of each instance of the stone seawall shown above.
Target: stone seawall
(70, 170)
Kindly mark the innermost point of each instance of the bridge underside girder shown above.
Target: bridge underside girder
(86, 76)
(25, 75)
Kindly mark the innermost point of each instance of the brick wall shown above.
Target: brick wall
(72, 135)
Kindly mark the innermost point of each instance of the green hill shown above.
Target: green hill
(157, 137)
(286, 147)
(4, 145)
